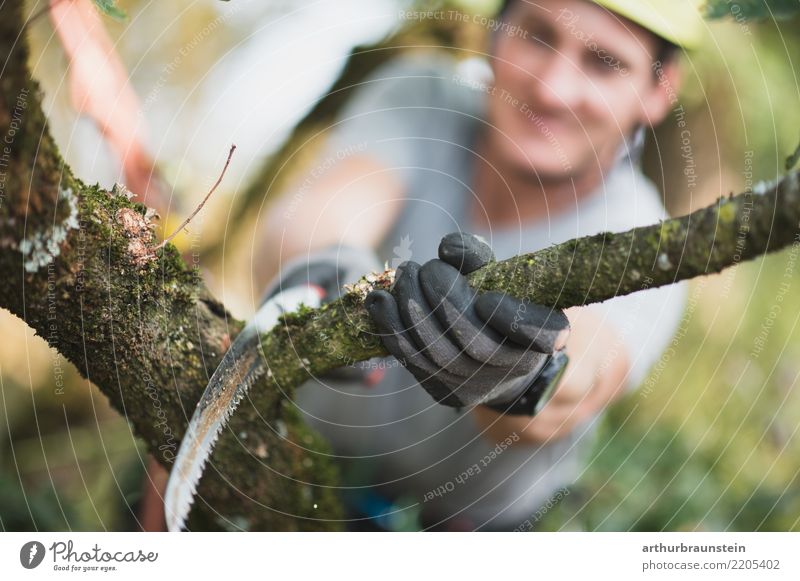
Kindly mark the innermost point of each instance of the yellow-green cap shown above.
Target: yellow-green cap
(678, 21)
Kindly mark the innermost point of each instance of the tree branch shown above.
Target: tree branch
(577, 272)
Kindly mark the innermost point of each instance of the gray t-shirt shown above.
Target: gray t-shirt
(419, 115)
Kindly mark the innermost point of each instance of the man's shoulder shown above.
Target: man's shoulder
(423, 78)
(419, 60)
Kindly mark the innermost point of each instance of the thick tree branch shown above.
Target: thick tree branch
(78, 264)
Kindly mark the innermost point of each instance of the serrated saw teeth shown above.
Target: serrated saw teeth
(241, 366)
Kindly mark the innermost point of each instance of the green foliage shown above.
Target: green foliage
(68, 461)
(110, 8)
(711, 442)
(752, 9)
(32, 508)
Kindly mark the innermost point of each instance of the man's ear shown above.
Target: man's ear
(664, 92)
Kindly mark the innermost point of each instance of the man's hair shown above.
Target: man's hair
(665, 50)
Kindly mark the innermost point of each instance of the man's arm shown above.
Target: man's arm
(353, 203)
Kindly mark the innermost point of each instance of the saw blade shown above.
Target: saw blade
(241, 366)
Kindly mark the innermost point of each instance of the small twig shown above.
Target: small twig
(169, 238)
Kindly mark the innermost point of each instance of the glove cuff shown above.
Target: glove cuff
(532, 397)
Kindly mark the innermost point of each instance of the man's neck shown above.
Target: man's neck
(507, 196)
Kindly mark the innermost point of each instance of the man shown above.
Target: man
(543, 152)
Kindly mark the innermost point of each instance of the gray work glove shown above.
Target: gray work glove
(464, 347)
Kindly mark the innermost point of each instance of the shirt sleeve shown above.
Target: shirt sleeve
(391, 111)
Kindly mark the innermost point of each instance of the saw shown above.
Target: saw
(240, 368)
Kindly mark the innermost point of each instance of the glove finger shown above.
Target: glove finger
(424, 326)
(465, 252)
(445, 387)
(451, 297)
(383, 310)
(529, 325)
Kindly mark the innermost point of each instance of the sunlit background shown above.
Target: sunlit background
(709, 441)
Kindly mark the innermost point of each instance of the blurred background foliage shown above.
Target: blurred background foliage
(709, 442)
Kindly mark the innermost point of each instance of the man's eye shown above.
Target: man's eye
(600, 65)
(538, 35)
(537, 41)
(604, 63)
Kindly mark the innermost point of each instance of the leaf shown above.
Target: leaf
(751, 9)
(109, 8)
(792, 160)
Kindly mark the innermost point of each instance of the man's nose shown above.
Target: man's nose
(560, 85)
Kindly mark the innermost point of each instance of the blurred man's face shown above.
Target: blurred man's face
(571, 84)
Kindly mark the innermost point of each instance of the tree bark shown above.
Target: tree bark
(79, 266)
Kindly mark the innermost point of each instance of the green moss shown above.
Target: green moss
(727, 212)
(671, 230)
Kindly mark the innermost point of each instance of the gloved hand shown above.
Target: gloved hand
(464, 347)
(328, 270)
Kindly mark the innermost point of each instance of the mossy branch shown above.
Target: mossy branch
(577, 272)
